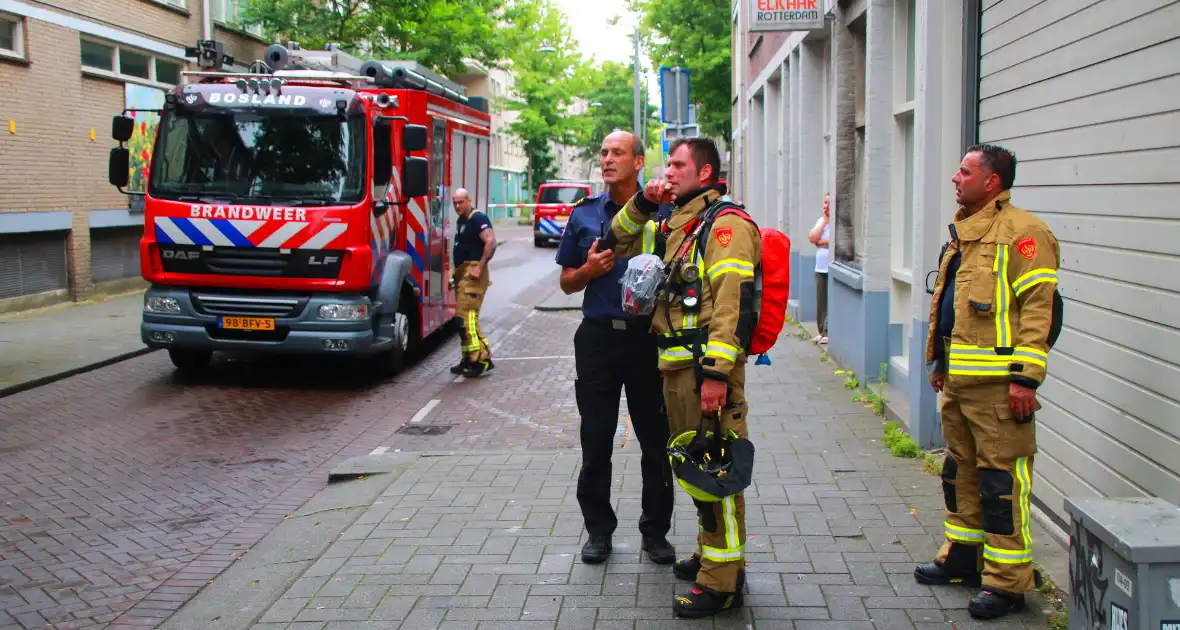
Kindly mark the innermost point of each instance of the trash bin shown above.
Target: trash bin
(1124, 564)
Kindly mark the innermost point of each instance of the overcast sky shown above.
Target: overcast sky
(590, 22)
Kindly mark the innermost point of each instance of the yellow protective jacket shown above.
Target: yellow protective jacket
(1003, 298)
(733, 249)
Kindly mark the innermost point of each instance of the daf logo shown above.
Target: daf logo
(325, 103)
(191, 98)
(326, 260)
(172, 254)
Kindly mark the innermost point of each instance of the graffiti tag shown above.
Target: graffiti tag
(1085, 576)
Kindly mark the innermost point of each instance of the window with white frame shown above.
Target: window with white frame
(120, 62)
(229, 12)
(902, 174)
(904, 90)
(174, 3)
(12, 36)
(849, 228)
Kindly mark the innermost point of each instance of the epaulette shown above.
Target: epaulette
(586, 198)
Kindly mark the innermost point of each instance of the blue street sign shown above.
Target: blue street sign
(674, 95)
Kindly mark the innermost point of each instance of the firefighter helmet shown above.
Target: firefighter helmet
(709, 468)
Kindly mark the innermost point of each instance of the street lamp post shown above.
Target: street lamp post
(637, 128)
(545, 50)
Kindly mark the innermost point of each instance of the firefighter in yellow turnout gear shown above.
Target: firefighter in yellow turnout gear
(475, 243)
(718, 307)
(992, 320)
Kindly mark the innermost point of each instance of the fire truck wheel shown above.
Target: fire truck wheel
(407, 333)
(190, 360)
(540, 241)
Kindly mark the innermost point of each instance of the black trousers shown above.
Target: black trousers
(609, 360)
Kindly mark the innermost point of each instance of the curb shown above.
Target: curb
(553, 309)
(53, 378)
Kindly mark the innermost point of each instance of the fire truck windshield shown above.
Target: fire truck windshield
(260, 157)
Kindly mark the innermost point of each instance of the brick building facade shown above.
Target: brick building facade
(67, 67)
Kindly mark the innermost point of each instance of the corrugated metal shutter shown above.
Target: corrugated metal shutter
(114, 253)
(1087, 94)
(32, 263)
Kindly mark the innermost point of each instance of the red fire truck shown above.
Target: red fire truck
(304, 206)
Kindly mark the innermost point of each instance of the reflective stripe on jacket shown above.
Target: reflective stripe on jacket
(733, 250)
(1003, 298)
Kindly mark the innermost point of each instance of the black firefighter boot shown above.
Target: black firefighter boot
(688, 568)
(991, 603)
(704, 602)
(461, 367)
(956, 571)
(478, 368)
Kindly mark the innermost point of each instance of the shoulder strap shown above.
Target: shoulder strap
(712, 213)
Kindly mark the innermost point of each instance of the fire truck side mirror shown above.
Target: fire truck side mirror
(119, 170)
(415, 177)
(122, 127)
(414, 138)
(382, 153)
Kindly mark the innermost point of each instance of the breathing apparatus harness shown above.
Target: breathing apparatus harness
(708, 464)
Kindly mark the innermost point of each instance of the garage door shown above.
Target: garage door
(114, 253)
(32, 263)
(1087, 94)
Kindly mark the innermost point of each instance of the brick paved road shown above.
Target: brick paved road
(492, 540)
(126, 489)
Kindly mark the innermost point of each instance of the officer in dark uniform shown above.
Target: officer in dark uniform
(612, 351)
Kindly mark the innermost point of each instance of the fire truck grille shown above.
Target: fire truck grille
(247, 262)
(249, 306)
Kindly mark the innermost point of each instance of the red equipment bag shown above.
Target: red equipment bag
(772, 277)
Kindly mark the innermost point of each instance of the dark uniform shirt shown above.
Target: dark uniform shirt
(468, 247)
(590, 219)
(946, 312)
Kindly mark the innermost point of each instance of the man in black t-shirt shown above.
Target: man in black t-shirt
(475, 242)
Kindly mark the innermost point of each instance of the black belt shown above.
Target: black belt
(629, 325)
(686, 337)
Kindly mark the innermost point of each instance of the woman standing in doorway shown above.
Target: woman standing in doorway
(819, 237)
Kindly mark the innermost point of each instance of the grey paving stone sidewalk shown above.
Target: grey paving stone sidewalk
(483, 540)
(44, 343)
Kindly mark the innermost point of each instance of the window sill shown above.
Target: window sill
(14, 57)
(171, 7)
(237, 30)
(848, 276)
(903, 275)
(123, 78)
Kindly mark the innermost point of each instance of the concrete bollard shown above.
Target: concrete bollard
(1124, 564)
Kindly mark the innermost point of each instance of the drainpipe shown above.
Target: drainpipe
(207, 19)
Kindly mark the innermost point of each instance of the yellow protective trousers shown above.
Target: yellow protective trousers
(470, 293)
(721, 538)
(986, 484)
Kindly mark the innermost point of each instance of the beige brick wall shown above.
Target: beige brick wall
(51, 163)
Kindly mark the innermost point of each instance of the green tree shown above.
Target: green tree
(550, 75)
(695, 35)
(611, 86)
(436, 33)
